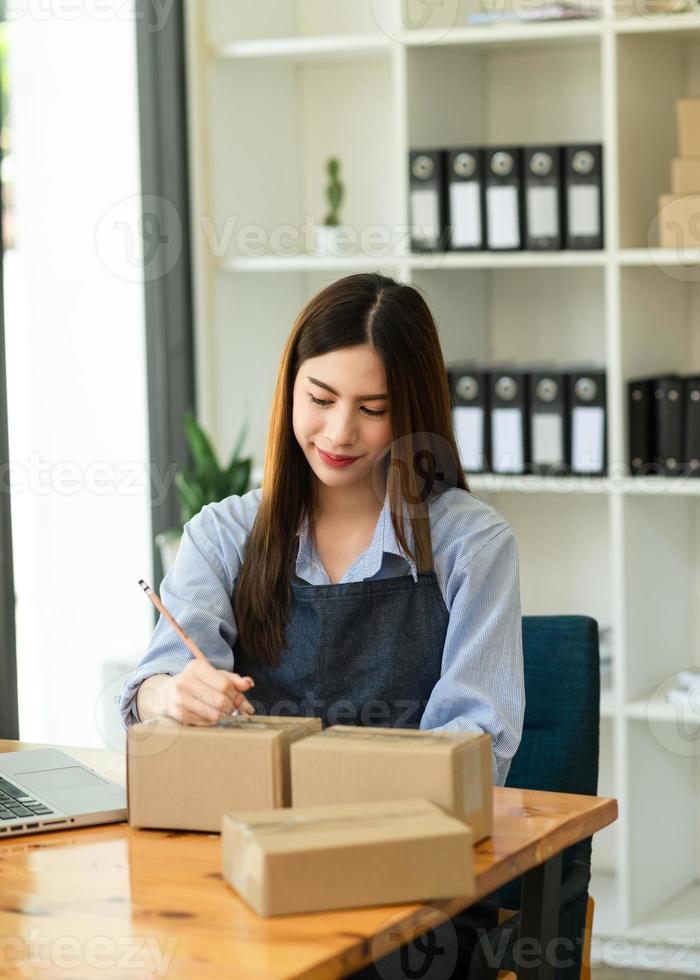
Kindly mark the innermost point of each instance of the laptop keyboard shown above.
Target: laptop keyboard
(15, 803)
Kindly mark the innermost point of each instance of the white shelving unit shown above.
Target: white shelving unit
(277, 87)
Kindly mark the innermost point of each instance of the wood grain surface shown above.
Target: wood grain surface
(113, 902)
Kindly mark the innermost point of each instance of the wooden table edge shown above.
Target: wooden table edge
(425, 916)
(420, 917)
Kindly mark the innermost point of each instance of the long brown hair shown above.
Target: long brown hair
(396, 321)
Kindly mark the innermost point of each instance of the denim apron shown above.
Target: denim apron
(358, 653)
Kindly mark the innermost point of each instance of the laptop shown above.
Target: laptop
(46, 789)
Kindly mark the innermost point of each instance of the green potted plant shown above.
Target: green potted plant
(327, 235)
(203, 482)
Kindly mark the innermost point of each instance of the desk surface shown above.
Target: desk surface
(112, 901)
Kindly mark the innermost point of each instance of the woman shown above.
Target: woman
(362, 583)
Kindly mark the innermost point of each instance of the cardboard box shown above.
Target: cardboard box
(309, 859)
(688, 111)
(685, 176)
(186, 777)
(352, 764)
(679, 221)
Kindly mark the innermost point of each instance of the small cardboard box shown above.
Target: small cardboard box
(352, 764)
(309, 859)
(186, 777)
(688, 111)
(685, 176)
(679, 221)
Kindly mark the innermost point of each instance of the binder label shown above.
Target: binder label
(547, 439)
(542, 212)
(507, 440)
(583, 203)
(425, 215)
(588, 439)
(465, 214)
(469, 433)
(502, 211)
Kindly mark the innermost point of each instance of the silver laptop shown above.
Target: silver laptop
(45, 789)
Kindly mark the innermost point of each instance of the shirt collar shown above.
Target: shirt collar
(384, 541)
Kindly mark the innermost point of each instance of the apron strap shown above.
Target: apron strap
(423, 545)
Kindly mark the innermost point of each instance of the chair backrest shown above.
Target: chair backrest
(559, 746)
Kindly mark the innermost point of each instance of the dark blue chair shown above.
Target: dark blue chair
(558, 752)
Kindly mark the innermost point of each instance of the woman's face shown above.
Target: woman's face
(343, 421)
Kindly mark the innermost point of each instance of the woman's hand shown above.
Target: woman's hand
(202, 694)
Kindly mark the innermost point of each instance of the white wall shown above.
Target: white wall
(76, 365)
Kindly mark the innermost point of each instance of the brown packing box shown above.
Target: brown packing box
(352, 764)
(688, 111)
(186, 777)
(685, 176)
(309, 859)
(679, 221)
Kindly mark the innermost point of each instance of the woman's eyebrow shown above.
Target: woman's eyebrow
(360, 398)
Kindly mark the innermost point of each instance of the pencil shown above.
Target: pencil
(191, 645)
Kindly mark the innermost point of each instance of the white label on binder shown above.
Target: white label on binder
(507, 440)
(502, 217)
(588, 439)
(542, 213)
(425, 215)
(465, 214)
(583, 208)
(547, 438)
(469, 433)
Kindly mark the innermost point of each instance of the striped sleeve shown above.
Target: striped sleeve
(481, 688)
(197, 591)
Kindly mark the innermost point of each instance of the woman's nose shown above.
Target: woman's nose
(340, 428)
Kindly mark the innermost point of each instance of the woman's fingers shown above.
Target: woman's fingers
(243, 683)
(205, 693)
(223, 700)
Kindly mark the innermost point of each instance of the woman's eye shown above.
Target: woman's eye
(367, 411)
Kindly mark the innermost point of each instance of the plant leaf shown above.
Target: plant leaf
(205, 460)
(192, 498)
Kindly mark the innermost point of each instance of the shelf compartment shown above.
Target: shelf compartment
(549, 531)
(516, 316)
(294, 20)
(497, 89)
(661, 548)
(653, 72)
(275, 125)
(663, 807)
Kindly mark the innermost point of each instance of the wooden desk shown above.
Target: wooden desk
(114, 902)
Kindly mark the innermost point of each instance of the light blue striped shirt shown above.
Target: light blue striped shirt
(476, 563)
